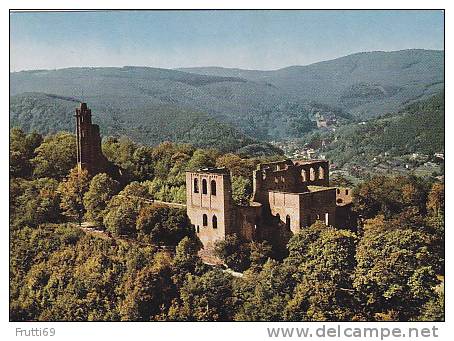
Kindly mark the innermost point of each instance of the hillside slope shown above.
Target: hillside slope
(255, 108)
(154, 104)
(418, 128)
(366, 84)
(151, 125)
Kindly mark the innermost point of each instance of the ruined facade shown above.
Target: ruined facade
(88, 139)
(286, 194)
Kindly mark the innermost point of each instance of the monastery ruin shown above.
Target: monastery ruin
(286, 194)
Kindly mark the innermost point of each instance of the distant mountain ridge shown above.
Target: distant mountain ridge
(256, 109)
(198, 104)
(49, 114)
(379, 81)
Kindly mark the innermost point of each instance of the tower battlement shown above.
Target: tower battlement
(88, 139)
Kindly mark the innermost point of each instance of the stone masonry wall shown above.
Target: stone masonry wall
(217, 207)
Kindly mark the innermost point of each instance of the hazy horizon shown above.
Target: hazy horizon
(217, 66)
(253, 39)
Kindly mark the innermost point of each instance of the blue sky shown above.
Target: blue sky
(245, 39)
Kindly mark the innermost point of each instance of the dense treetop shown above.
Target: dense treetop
(141, 263)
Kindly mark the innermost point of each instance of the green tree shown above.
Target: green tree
(260, 253)
(136, 190)
(436, 200)
(21, 151)
(238, 167)
(241, 190)
(234, 252)
(102, 188)
(263, 296)
(60, 273)
(149, 292)
(120, 151)
(204, 298)
(55, 157)
(34, 202)
(123, 209)
(121, 215)
(72, 191)
(186, 254)
(202, 158)
(162, 224)
(19, 162)
(434, 309)
(143, 163)
(324, 260)
(187, 260)
(394, 275)
(389, 196)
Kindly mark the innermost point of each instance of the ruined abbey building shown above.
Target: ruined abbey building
(287, 195)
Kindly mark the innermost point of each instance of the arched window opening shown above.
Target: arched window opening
(338, 191)
(213, 187)
(312, 174)
(196, 185)
(303, 175)
(204, 186)
(198, 229)
(321, 173)
(287, 221)
(204, 220)
(346, 191)
(215, 222)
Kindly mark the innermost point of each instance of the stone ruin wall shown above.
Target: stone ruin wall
(218, 205)
(286, 194)
(316, 204)
(344, 196)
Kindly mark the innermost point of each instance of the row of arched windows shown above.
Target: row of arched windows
(204, 186)
(313, 174)
(309, 219)
(214, 221)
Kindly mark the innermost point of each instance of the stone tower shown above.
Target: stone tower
(209, 203)
(89, 154)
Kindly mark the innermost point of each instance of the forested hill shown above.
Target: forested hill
(150, 125)
(142, 263)
(133, 93)
(417, 128)
(366, 84)
(266, 105)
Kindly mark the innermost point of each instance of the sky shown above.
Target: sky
(264, 40)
